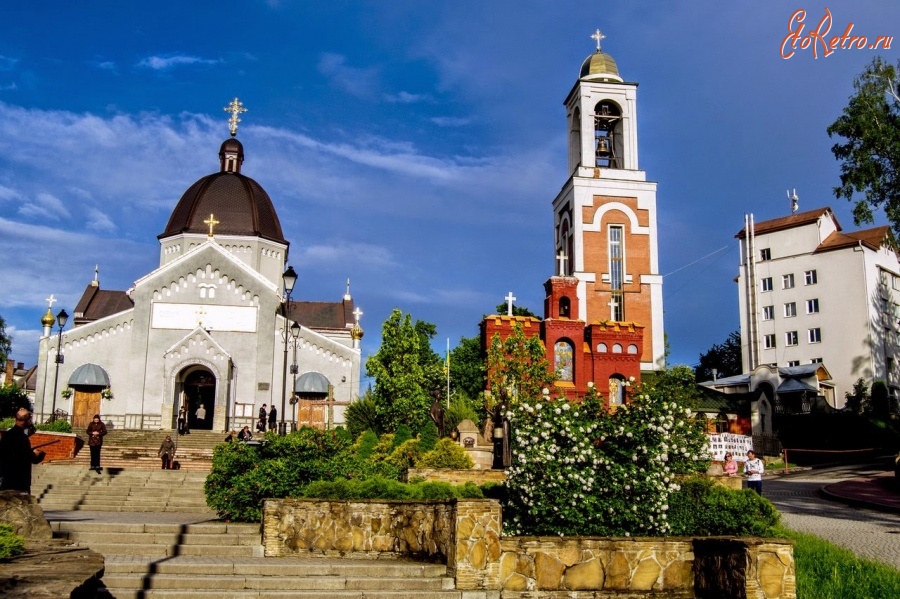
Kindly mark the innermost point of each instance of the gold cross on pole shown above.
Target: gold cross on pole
(236, 107)
(212, 222)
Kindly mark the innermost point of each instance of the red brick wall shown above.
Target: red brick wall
(65, 447)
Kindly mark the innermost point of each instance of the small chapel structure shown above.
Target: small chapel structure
(213, 327)
(603, 312)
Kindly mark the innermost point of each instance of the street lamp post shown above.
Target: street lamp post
(295, 333)
(290, 278)
(61, 319)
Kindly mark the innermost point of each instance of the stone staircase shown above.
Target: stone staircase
(156, 547)
(71, 487)
(137, 449)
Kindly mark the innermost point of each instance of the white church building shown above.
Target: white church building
(210, 326)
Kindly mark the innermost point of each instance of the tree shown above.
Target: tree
(402, 383)
(467, 368)
(675, 383)
(725, 358)
(434, 381)
(502, 308)
(518, 365)
(12, 397)
(5, 343)
(870, 156)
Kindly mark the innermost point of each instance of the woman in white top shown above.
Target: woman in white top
(754, 469)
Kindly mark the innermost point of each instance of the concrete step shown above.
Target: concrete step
(160, 551)
(274, 583)
(265, 594)
(224, 529)
(143, 538)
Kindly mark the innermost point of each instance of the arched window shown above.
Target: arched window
(565, 307)
(601, 348)
(616, 390)
(617, 349)
(722, 423)
(563, 354)
(608, 134)
(632, 349)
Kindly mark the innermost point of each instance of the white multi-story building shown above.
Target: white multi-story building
(812, 293)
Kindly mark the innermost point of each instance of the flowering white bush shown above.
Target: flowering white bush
(578, 470)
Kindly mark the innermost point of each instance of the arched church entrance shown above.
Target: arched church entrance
(198, 395)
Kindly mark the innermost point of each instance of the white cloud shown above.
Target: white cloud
(105, 65)
(449, 121)
(24, 344)
(353, 80)
(164, 63)
(406, 98)
(45, 206)
(98, 221)
(7, 193)
(342, 253)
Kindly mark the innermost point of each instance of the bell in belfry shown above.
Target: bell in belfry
(603, 147)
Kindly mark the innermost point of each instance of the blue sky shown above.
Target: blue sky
(413, 147)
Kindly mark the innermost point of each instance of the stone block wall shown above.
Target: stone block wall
(312, 527)
(466, 533)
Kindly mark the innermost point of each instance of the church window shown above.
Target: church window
(616, 390)
(722, 423)
(575, 140)
(617, 349)
(565, 307)
(617, 272)
(563, 355)
(601, 348)
(632, 349)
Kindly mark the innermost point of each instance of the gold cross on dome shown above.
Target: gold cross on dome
(236, 107)
(597, 36)
(212, 222)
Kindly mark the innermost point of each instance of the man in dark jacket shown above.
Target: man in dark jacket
(273, 418)
(16, 455)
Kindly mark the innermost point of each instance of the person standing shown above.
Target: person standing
(16, 455)
(273, 418)
(201, 415)
(167, 452)
(182, 420)
(96, 430)
(261, 423)
(754, 469)
(730, 466)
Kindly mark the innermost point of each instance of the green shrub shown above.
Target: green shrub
(446, 454)
(460, 409)
(495, 491)
(702, 508)
(362, 415)
(366, 445)
(11, 544)
(405, 455)
(429, 437)
(401, 436)
(580, 470)
(12, 397)
(57, 426)
(382, 488)
(7, 423)
(243, 475)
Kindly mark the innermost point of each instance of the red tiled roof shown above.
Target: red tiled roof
(872, 238)
(787, 222)
(98, 303)
(323, 315)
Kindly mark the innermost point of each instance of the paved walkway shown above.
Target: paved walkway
(863, 514)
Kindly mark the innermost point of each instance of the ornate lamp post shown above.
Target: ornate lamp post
(290, 278)
(61, 319)
(295, 333)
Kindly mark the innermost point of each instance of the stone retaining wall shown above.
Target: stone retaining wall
(466, 534)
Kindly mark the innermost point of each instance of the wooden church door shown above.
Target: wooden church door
(86, 404)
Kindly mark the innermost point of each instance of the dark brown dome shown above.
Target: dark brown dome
(240, 205)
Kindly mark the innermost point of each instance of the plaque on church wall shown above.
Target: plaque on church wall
(262, 386)
(238, 319)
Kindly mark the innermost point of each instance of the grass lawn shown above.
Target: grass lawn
(826, 571)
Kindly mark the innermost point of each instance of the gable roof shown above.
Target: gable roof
(789, 222)
(323, 315)
(96, 303)
(872, 238)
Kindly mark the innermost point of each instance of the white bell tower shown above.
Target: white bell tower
(605, 214)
